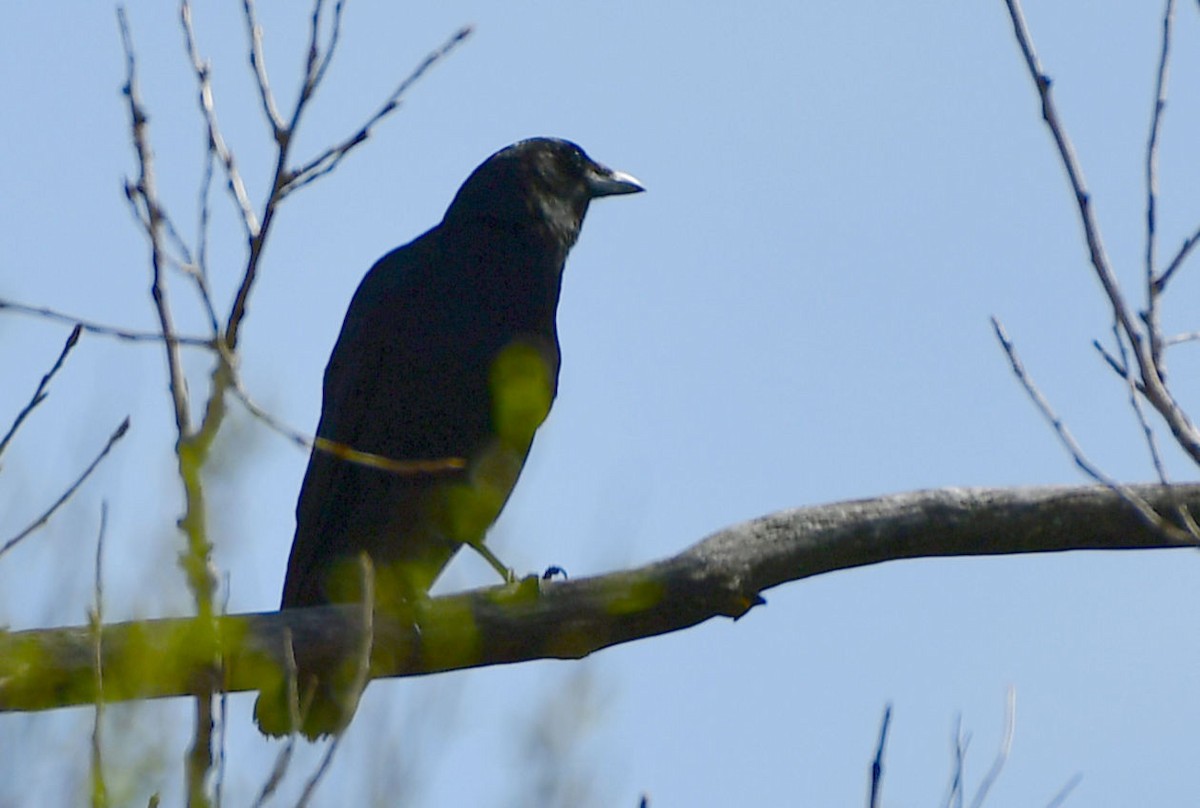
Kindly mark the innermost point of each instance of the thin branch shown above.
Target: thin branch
(284, 758)
(958, 745)
(104, 330)
(283, 139)
(1070, 162)
(45, 517)
(203, 216)
(1134, 390)
(99, 789)
(1179, 339)
(199, 274)
(1156, 391)
(331, 47)
(1117, 366)
(340, 450)
(144, 189)
(1072, 446)
(39, 394)
(314, 43)
(222, 718)
(328, 160)
(877, 766)
(1065, 792)
(216, 141)
(309, 85)
(217, 150)
(181, 261)
(259, 64)
(1010, 725)
(1153, 288)
(361, 676)
(1184, 250)
(199, 761)
(286, 180)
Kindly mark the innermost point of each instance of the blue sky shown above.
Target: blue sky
(796, 313)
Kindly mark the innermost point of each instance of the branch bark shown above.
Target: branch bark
(723, 575)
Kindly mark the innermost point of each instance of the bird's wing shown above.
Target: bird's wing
(377, 398)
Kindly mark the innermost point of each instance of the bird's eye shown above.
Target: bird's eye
(578, 161)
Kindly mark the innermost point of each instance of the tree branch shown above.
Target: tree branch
(153, 220)
(103, 329)
(1144, 343)
(329, 159)
(1072, 446)
(39, 394)
(117, 434)
(723, 575)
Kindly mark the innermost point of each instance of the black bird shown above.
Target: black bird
(446, 365)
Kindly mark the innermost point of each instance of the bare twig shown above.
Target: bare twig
(283, 138)
(877, 766)
(1065, 792)
(144, 190)
(958, 745)
(1118, 366)
(1010, 724)
(287, 180)
(259, 65)
(39, 394)
(1141, 344)
(361, 676)
(1158, 284)
(181, 260)
(1133, 387)
(1179, 339)
(312, 75)
(328, 160)
(341, 450)
(103, 330)
(1153, 287)
(216, 141)
(99, 788)
(331, 46)
(1074, 172)
(199, 274)
(217, 151)
(222, 717)
(284, 758)
(198, 762)
(1072, 446)
(45, 517)
(1184, 250)
(203, 217)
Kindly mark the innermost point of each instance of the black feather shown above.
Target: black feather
(449, 350)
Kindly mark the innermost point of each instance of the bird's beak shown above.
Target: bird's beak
(603, 181)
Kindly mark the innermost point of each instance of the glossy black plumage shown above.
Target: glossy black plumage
(449, 350)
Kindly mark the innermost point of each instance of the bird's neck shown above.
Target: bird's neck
(516, 270)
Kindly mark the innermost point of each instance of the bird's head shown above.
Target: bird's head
(540, 182)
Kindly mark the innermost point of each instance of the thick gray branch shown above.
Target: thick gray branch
(723, 575)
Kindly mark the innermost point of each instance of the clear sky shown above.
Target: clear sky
(840, 195)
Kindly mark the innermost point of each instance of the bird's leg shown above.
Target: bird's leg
(505, 572)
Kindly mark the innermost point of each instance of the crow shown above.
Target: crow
(446, 365)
